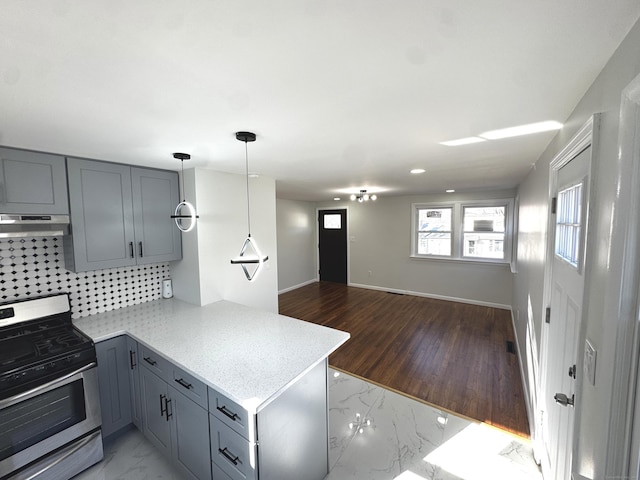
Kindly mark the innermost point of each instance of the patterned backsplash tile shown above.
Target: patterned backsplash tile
(35, 266)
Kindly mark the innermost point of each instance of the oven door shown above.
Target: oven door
(36, 422)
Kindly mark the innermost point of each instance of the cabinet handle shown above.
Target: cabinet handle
(163, 409)
(140, 248)
(131, 253)
(186, 385)
(132, 361)
(166, 409)
(228, 413)
(150, 361)
(228, 455)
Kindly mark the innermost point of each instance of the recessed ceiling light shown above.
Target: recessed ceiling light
(450, 190)
(336, 198)
(416, 171)
(462, 141)
(522, 130)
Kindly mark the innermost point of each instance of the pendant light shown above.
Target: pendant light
(249, 253)
(184, 209)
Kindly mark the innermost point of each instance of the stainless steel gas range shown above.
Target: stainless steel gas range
(49, 402)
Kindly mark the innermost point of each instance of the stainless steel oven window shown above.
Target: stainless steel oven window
(88, 376)
(27, 423)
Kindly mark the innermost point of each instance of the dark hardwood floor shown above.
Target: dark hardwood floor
(452, 355)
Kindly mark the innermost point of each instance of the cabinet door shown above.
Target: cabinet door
(155, 196)
(32, 183)
(156, 425)
(113, 378)
(101, 215)
(190, 436)
(134, 382)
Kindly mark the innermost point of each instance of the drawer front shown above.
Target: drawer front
(232, 453)
(229, 412)
(189, 386)
(155, 363)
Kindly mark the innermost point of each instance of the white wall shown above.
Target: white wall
(602, 288)
(205, 274)
(380, 243)
(296, 224)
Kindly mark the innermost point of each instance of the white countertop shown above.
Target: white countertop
(246, 354)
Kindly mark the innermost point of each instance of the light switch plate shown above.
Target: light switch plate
(590, 354)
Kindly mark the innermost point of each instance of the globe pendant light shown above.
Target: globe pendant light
(250, 254)
(184, 209)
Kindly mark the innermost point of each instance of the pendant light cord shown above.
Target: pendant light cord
(246, 160)
(184, 197)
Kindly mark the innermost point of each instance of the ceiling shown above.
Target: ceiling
(342, 94)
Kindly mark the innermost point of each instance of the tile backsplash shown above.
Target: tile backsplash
(35, 266)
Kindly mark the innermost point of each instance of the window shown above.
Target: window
(332, 221)
(568, 222)
(484, 231)
(434, 231)
(471, 231)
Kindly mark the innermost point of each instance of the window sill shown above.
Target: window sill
(465, 261)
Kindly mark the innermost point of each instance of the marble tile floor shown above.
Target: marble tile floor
(391, 438)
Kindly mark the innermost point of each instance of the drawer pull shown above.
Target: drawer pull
(228, 455)
(186, 385)
(163, 409)
(132, 361)
(228, 413)
(150, 361)
(168, 414)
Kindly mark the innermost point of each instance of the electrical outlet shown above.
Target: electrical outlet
(369, 273)
(590, 355)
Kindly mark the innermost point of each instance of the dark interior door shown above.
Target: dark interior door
(332, 228)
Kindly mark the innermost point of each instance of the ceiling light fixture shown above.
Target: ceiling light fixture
(184, 209)
(462, 141)
(417, 171)
(450, 190)
(337, 199)
(539, 127)
(249, 253)
(363, 196)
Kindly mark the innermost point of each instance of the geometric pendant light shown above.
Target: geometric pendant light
(185, 212)
(250, 257)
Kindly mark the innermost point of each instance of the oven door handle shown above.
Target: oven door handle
(11, 400)
(79, 446)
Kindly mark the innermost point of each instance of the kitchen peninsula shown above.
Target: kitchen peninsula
(260, 379)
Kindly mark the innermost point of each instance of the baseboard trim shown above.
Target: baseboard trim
(308, 282)
(434, 296)
(523, 378)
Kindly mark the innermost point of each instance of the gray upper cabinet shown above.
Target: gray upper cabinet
(120, 216)
(155, 196)
(32, 183)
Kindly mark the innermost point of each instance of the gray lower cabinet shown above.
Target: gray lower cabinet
(32, 183)
(120, 216)
(113, 378)
(286, 440)
(134, 382)
(176, 425)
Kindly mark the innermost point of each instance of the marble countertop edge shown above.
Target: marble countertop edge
(166, 327)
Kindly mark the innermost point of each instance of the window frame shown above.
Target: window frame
(415, 232)
(457, 230)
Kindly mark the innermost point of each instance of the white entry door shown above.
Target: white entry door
(566, 295)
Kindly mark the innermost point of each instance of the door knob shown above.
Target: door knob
(563, 400)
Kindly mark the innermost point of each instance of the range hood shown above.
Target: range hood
(14, 226)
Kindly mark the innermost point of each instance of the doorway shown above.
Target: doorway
(332, 245)
(570, 180)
